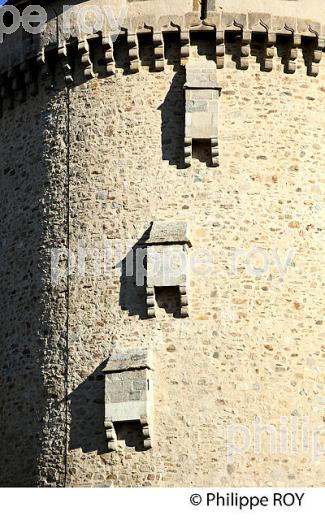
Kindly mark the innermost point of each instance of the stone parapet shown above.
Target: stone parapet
(19, 47)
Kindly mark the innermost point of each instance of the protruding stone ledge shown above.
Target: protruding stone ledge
(24, 62)
(18, 47)
(201, 107)
(128, 392)
(167, 263)
(171, 232)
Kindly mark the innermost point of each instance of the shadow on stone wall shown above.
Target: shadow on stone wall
(132, 280)
(173, 121)
(31, 337)
(87, 407)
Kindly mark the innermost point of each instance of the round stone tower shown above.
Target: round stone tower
(162, 237)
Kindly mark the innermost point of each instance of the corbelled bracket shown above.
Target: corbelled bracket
(167, 262)
(201, 108)
(128, 391)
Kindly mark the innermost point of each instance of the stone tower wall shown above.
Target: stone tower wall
(93, 153)
(33, 330)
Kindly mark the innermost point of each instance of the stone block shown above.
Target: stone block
(167, 261)
(167, 232)
(228, 19)
(279, 23)
(167, 267)
(255, 19)
(196, 106)
(128, 359)
(128, 396)
(201, 109)
(304, 25)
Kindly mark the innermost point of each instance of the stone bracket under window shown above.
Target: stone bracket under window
(167, 262)
(128, 391)
(201, 108)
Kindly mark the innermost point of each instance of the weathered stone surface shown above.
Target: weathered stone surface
(167, 262)
(253, 344)
(168, 232)
(196, 106)
(236, 320)
(201, 106)
(130, 358)
(167, 266)
(128, 391)
(201, 74)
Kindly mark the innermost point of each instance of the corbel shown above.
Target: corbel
(220, 49)
(88, 69)
(185, 46)
(66, 67)
(269, 50)
(158, 44)
(317, 53)
(245, 51)
(133, 47)
(109, 54)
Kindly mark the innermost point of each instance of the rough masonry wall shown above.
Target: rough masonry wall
(252, 347)
(33, 221)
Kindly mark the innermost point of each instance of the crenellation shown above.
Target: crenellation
(241, 48)
(238, 31)
(290, 43)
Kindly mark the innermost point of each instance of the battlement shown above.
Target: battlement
(23, 62)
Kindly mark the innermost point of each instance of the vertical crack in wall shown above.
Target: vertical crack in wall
(66, 375)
